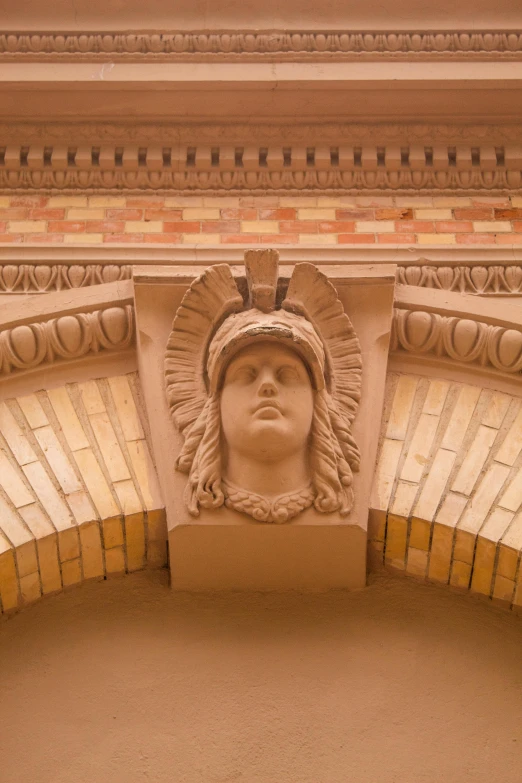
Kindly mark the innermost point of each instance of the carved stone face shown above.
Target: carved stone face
(267, 403)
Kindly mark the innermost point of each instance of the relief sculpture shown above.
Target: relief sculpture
(264, 384)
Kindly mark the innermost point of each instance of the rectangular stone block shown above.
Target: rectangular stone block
(483, 567)
(114, 561)
(135, 541)
(91, 548)
(9, 588)
(30, 588)
(71, 573)
(440, 554)
(396, 535)
(49, 564)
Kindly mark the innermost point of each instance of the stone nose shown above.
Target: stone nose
(267, 383)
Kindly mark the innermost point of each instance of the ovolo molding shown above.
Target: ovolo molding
(289, 45)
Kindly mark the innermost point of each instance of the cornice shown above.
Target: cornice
(248, 45)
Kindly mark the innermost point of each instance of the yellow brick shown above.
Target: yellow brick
(259, 227)
(516, 201)
(157, 525)
(67, 201)
(107, 201)
(143, 227)
(71, 572)
(517, 598)
(112, 532)
(440, 553)
(436, 239)
(8, 582)
(460, 574)
(417, 563)
(157, 554)
(420, 534)
(49, 565)
(494, 226)
(83, 239)
(85, 213)
(69, 544)
(135, 541)
(92, 556)
(374, 226)
(483, 567)
(503, 589)
(30, 588)
(4, 201)
(26, 559)
(464, 546)
(507, 562)
(433, 214)
(376, 524)
(201, 213)
(395, 552)
(27, 226)
(317, 239)
(202, 239)
(114, 561)
(316, 213)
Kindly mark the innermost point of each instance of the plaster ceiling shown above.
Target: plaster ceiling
(72, 15)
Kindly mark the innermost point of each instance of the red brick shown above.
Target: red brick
(11, 238)
(187, 227)
(355, 214)
(336, 227)
(394, 214)
(105, 226)
(356, 239)
(231, 213)
(125, 214)
(29, 201)
(3, 226)
(485, 213)
(171, 239)
(508, 214)
(517, 225)
(17, 213)
(127, 238)
(280, 239)
(415, 226)
(220, 227)
(396, 239)
(242, 239)
(163, 214)
(454, 226)
(147, 202)
(47, 214)
(507, 239)
(283, 213)
(298, 227)
(475, 239)
(66, 226)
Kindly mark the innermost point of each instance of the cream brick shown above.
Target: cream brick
(436, 397)
(16, 441)
(403, 499)
(67, 201)
(71, 573)
(481, 502)
(434, 485)
(451, 510)
(96, 483)
(36, 520)
(436, 239)
(259, 227)
(107, 201)
(493, 226)
(476, 456)
(8, 582)
(512, 497)
(83, 239)
(420, 447)
(69, 421)
(201, 239)
(49, 564)
(128, 497)
(27, 226)
(201, 213)
(497, 524)
(333, 201)
(12, 525)
(401, 407)
(374, 226)
(5, 545)
(461, 417)
(114, 561)
(109, 446)
(92, 556)
(513, 537)
(315, 213)
(433, 214)
(126, 407)
(374, 201)
(143, 227)
(145, 474)
(30, 588)
(13, 484)
(135, 541)
(81, 507)
(510, 448)
(91, 397)
(496, 410)
(87, 213)
(57, 459)
(317, 239)
(26, 559)
(385, 474)
(33, 411)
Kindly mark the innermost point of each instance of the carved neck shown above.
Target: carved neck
(270, 479)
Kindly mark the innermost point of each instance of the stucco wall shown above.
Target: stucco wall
(126, 681)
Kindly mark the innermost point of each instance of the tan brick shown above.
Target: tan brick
(298, 201)
(145, 474)
(436, 239)
(30, 588)
(201, 213)
(460, 575)
(461, 417)
(315, 213)
(26, 560)
(491, 226)
(49, 564)
(376, 524)
(5, 201)
(403, 499)
(87, 213)
(385, 474)
(16, 441)
(33, 411)
(513, 537)
(417, 562)
(143, 227)
(114, 561)
(395, 552)
(109, 447)
(451, 510)
(401, 407)
(135, 541)
(420, 534)
(202, 239)
(71, 573)
(464, 546)
(496, 410)
(69, 544)
(440, 553)
(69, 421)
(81, 507)
(128, 497)
(483, 565)
(507, 561)
(481, 502)
(112, 532)
(474, 461)
(13, 484)
(414, 201)
(259, 227)
(420, 447)
(107, 201)
(497, 524)
(36, 520)
(512, 497)
(57, 459)
(126, 408)
(436, 397)
(48, 496)
(503, 589)
(317, 239)
(8, 582)
(510, 448)
(27, 226)
(434, 485)
(157, 538)
(96, 483)
(451, 201)
(433, 214)
(67, 201)
(92, 557)
(374, 226)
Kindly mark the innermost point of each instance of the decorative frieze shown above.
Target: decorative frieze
(31, 278)
(483, 280)
(284, 44)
